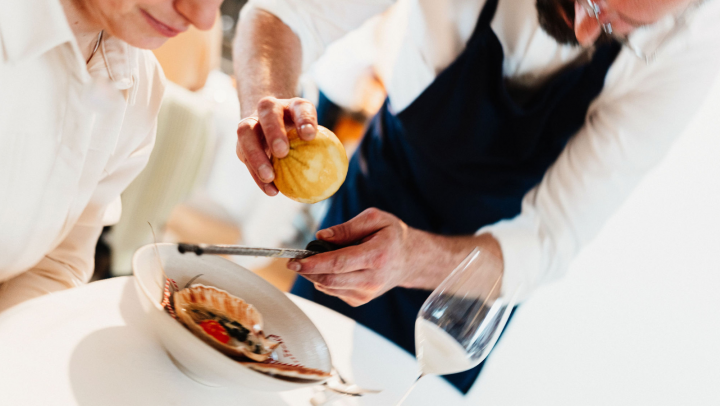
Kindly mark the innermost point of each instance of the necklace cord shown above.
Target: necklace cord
(97, 45)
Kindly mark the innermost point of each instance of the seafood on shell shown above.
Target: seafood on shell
(279, 369)
(224, 321)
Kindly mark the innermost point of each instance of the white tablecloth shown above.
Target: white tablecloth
(92, 346)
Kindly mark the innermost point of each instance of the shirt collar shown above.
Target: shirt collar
(32, 27)
(120, 61)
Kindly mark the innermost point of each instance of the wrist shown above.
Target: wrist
(432, 257)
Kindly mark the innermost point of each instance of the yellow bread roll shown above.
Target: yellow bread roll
(312, 170)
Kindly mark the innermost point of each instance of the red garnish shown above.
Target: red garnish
(215, 330)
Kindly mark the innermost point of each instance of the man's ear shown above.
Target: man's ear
(587, 29)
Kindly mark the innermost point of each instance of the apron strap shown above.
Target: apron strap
(486, 17)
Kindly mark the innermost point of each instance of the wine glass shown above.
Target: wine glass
(462, 319)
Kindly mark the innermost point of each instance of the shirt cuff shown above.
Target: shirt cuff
(522, 255)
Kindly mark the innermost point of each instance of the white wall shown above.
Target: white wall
(637, 319)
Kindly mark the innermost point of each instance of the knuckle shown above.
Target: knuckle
(305, 116)
(255, 157)
(338, 264)
(379, 259)
(373, 214)
(295, 102)
(266, 103)
(374, 283)
(358, 300)
(265, 114)
(245, 129)
(326, 280)
(299, 102)
(340, 231)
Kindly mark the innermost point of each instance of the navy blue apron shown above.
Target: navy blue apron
(461, 156)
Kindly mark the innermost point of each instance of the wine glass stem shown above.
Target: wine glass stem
(410, 389)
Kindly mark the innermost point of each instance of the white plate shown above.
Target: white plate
(199, 360)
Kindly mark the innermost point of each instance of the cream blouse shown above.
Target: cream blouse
(72, 137)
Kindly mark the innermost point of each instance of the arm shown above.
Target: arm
(274, 42)
(390, 254)
(71, 263)
(629, 130)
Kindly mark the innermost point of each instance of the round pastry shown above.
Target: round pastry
(312, 170)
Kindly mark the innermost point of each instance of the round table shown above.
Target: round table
(93, 346)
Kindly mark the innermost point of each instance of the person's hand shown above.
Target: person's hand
(263, 134)
(359, 273)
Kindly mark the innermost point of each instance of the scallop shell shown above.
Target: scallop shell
(222, 303)
(288, 370)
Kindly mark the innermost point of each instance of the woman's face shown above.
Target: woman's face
(148, 24)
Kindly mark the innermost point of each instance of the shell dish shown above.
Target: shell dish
(241, 321)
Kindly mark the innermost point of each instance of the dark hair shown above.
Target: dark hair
(552, 21)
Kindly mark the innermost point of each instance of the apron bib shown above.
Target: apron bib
(460, 157)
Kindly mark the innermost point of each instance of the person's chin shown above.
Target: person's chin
(146, 42)
(153, 43)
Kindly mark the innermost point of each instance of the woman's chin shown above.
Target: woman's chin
(147, 42)
(142, 41)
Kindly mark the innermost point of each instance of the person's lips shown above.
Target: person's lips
(160, 27)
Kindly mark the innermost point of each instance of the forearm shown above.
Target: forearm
(435, 256)
(268, 60)
(69, 265)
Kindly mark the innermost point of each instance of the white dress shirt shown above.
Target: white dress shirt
(629, 127)
(73, 137)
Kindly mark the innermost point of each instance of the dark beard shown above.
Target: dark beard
(552, 21)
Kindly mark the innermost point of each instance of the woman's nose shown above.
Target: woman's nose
(200, 13)
(587, 28)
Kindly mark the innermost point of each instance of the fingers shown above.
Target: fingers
(304, 116)
(368, 255)
(266, 137)
(251, 151)
(368, 222)
(352, 297)
(271, 113)
(269, 188)
(364, 280)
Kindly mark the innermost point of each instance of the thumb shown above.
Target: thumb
(366, 223)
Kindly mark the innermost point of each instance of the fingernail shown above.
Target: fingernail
(271, 190)
(280, 147)
(265, 172)
(307, 130)
(294, 266)
(326, 233)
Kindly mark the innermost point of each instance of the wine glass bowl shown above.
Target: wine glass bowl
(469, 307)
(462, 319)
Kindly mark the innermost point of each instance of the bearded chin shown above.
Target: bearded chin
(552, 21)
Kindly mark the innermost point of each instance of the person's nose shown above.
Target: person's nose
(587, 28)
(200, 13)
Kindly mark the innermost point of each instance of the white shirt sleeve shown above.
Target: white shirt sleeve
(629, 129)
(319, 22)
